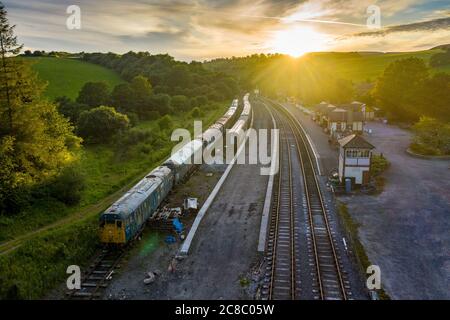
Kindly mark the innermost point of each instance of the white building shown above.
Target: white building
(355, 155)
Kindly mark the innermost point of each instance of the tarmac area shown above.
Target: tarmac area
(405, 228)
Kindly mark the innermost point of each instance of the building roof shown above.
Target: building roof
(324, 107)
(355, 141)
(350, 107)
(338, 115)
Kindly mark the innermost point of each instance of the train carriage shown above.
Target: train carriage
(182, 162)
(125, 218)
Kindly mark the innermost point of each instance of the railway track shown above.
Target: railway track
(328, 281)
(281, 249)
(98, 276)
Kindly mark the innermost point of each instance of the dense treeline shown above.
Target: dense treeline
(441, 58)
(168, 76)
(407, 90)
(280, 75)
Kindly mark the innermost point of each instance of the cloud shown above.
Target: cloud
(430, 25)
(203, 29)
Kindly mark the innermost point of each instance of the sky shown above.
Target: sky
(207, 29)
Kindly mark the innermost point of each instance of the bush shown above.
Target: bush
(101, 124)
(133, 117)
(379, 164)
(135, 136)
(196, 112)
(94, 94)
(70, 109)
(68, 186)
(432, 137)
(40, 264)
(180, 103)
(165, 123)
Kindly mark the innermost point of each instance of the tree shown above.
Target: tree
(101, 124)
(8, 46)
(399, 88)
(432, 136)
(141, 88)
(36, 141)
(180, 103)
(70, 109)
(165, 123)
(94, 94)
(440, 59)
(161, 103)
(122, 97)
(435, 98)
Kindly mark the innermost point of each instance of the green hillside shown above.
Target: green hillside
(361, 66)
(66, 76)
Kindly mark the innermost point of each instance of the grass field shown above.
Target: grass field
(66, 76)
(362, 67)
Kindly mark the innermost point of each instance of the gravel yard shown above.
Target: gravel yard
(405, 229)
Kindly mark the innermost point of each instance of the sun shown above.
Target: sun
(298, 41)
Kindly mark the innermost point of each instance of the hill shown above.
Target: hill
(66, 76)
(361, 66)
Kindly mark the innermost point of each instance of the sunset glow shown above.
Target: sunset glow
(298, 41)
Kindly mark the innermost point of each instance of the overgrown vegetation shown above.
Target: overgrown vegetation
(379, 164)
(432, 137)
(351, 228)
(41, 263)
(35, 140)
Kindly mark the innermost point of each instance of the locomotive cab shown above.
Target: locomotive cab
(112, 229)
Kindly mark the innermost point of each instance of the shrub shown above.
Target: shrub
(39, 264)
(379, 164)
(180, 103)
(68, 186)
(432, 137)
(94, 94)
(70, 109)
(135, 136)
(165, 123)
(196, 112)
(100, 124)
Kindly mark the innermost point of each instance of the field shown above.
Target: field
(364, 67)
(66, 76)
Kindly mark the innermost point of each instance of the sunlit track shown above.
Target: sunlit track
(98, 275)
(328, 279)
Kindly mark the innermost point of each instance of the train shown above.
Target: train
(125, 219)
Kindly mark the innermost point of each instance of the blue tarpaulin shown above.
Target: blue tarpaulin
(170, 239)
(177, 225)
